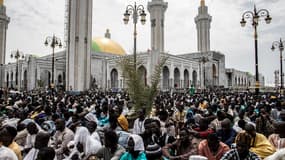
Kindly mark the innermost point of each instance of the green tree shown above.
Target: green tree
(140, 94)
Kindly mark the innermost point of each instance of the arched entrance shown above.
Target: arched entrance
(215, 75)
(64, 79)
(165, 77)
(114, 78)
(186, 78)
(176, 78)
(143, 74)
(12, 80)
(45, 79)
(194, 78)
(25, 82)
(7, 80)
(59, 79)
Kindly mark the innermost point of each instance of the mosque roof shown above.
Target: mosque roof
(107, 45)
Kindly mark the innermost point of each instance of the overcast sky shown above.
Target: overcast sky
(33, 20)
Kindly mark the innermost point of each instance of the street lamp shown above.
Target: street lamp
(53, 42)
(136, 11)
(254, 17)
(280, 45)
(17, 55)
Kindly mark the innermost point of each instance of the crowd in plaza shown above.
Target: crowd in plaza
(98, 125)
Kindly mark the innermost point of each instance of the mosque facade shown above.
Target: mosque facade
(92, 63)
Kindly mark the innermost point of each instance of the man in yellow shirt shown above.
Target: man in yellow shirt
(259, 143)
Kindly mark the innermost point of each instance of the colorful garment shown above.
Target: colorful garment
(204, 150)
(233, 155)
(261, 146)
(17, 150)
(128, 156)
(138, 146)
(123, 122)
(204, 134)
(227, 137)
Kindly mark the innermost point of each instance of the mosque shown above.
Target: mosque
(96, 65)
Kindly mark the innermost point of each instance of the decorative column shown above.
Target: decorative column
(4, 20)
(79, 36)
(157, 10)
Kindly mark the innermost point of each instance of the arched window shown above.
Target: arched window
(215, 75)
(114, 78)
(194, 78)
(176, 78)
(165, 77)
(186, 78)
(143, 74)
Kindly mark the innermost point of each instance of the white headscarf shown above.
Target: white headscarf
(139, 145)
(90, 145)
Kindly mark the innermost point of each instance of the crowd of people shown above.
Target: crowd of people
(98, 125)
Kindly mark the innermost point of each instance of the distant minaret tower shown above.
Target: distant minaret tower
(4, 20)
(79, 36)
(157, 9)
(203, 24)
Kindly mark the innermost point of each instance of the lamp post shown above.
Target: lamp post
(254, 17)
(53, 42)
(280, 45)
(17, 55)
(135, 11)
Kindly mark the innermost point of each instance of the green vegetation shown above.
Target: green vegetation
(141, 94)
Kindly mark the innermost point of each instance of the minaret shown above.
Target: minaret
(157, 9)
(4, 20)
(79, 36)
(203, 24)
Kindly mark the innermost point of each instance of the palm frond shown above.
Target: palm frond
(141, 95)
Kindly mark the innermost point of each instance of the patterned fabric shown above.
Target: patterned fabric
(233, 155)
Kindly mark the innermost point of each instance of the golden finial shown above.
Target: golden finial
(202, 3)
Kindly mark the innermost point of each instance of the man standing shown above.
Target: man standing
(139, 122)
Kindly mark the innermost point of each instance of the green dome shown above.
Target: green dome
(107, 45)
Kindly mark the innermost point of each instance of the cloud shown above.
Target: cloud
(33, 20)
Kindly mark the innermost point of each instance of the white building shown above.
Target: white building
(88, 63)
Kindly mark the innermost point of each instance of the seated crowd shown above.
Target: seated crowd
(104, 126)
